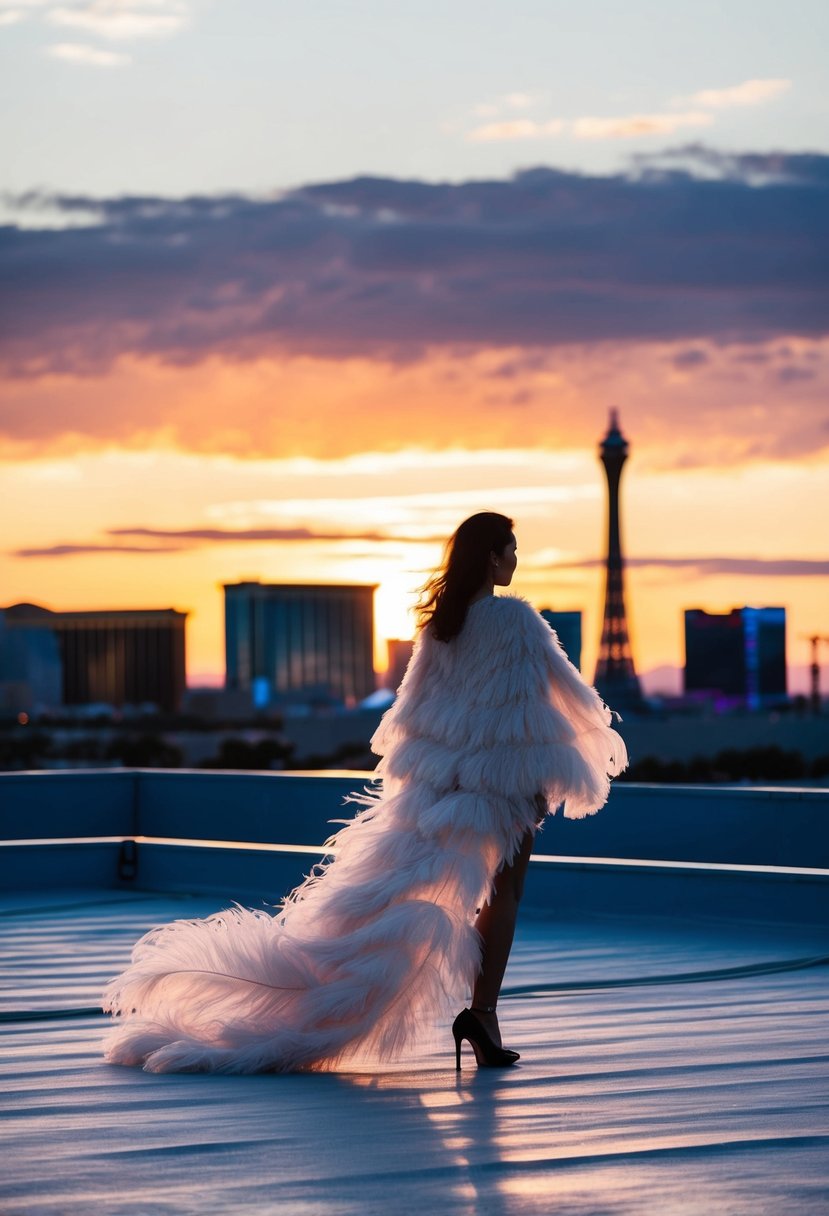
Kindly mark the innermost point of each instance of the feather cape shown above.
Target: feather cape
(379, 941)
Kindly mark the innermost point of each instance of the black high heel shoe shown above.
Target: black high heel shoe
(487, 1053)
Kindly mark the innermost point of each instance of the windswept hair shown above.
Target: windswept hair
(445, 598)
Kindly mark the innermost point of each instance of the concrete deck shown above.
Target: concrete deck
(675, 1066)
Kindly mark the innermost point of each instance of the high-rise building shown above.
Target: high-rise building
(300, 642)
(31, 672)
(400, 653)
(738, 655)
(615, 677)
(117, 657)
(568, 628)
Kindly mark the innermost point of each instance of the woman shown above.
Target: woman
(492, 728)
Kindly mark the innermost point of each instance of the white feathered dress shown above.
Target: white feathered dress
(372, 949)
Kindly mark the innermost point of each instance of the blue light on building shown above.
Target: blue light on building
(739, 656)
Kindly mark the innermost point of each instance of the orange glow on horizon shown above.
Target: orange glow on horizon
(355, 450)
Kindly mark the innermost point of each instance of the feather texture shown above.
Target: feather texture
(379, 941)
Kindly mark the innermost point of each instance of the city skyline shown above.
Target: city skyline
(398, 557)
(595, 566)
(277, 317)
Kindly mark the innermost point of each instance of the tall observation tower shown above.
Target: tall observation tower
(615, 677)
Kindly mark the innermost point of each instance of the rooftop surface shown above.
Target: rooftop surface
(671, 1017)
(667, 1067)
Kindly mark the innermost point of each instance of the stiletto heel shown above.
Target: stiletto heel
(487, 1053)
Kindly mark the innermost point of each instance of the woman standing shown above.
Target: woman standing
(492, 728)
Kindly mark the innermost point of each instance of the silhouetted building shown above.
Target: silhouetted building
(400, 652)
(31, 672)
(295, 642)
(615, 677)
(118, 657)
(739, 655)
(568, 627)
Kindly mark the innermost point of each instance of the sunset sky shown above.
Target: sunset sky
(287, 291)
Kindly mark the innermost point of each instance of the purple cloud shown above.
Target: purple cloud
(790, 373)
(691, 357)
(376, 265)
(82, 550)
(177, 540)
(245, 534)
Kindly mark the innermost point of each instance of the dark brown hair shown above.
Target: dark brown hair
(444, 599)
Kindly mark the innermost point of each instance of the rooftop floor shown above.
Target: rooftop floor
(668, 1066)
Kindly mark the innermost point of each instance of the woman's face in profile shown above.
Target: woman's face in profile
(507, 561)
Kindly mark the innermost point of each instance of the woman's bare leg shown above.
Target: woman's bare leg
(496, 925)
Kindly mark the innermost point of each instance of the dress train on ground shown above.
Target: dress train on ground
(356, 965)
(379, 942)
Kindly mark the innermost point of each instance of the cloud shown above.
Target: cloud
(694, 111)
(116, 20)
(790, 373)
(749, 93)
(692, 356)
(783, 567)
(112, 20)
(752, 169)
(626, 126)
(173, 540)
(235, 536)
(86, 548)
(76, 52)
(516, 128)
(385, 268)
(632, 126)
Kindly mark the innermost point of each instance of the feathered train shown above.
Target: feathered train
(379, 942)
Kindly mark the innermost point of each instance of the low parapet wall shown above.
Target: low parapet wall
(744, 825)
(261, 831)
